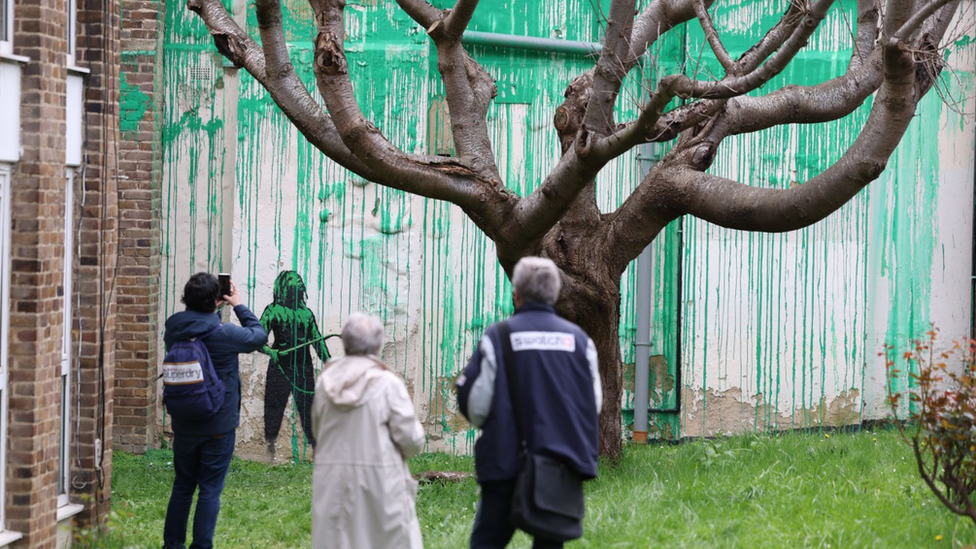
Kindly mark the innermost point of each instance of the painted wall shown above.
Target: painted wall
(775, 331)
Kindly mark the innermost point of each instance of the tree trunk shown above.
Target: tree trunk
(599, 316)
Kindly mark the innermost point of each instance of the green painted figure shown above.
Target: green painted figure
(292, 326)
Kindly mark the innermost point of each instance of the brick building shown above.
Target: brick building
(59, 233)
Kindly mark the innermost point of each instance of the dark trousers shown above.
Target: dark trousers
(276, 390)
(492, 529)
(200, 462)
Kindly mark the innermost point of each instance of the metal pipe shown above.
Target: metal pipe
(972, 278)
(646, 158)
(573, 47)
(643, 344)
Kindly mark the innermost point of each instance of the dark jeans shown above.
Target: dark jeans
(200, 461)
(492, 530)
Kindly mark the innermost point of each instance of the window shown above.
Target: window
(64, 469)
(71, 28)
(6, 27)
(4, 324)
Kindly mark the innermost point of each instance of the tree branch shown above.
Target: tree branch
(732, 86)
(711, 35)
(830, 100)
(232, 42)
(434, 177)
(915, 22)
(458, 19)
(610, 68)
(421, 11)
(659, 17)
(288, 92)
(866, 36)
(469, 90)
(643, 129)
(773, 39)
(737, 206)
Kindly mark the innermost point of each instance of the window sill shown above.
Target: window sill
(7, 537)
(11, 58)
(78, 70)
(67, 511)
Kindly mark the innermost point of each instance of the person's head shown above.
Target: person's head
(201, 293)
(536, 280)
(289, 290)
(362, 335)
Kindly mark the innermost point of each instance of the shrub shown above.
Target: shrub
(942, 418)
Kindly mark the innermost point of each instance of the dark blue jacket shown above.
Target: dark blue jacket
(224, 346)
(559, 386)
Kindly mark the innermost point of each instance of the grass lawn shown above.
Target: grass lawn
(794, 490)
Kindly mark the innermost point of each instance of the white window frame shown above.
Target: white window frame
(5, 179)
(71, 31)
(64, 479)
(7, 45)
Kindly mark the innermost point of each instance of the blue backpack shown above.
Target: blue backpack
(191, 388)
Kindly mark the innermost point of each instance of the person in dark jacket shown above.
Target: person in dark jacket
(560, 399)
(203, 447)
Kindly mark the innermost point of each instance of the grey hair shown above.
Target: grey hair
(537, 280)
(362, 335)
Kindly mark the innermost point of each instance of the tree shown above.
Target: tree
(896, 56)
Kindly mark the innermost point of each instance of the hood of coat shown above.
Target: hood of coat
(347, 381)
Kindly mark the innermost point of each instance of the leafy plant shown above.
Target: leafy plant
(942, 413)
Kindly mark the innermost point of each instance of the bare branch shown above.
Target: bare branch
(610, 68)
(421, 11)
(897, 12)
(915, 22)
(434, 177)
(773, 39)
(659, 17)
(459, 17)
(638, 131)
(469, 90)
(830, 100)
(643, 129)
(281, 82)
(739, 85)
(232, 42)
(711, 35)
(868, 17)
(737, 206)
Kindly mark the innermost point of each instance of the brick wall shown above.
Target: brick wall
(36, 270)
(140, 163)
(95, 265)
(37, 255)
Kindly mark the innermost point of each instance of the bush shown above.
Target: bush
(942, 414)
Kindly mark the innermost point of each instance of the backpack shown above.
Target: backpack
(191, 388)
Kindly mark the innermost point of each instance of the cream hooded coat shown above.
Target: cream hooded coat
(363, 496)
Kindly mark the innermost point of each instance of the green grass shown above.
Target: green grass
(794, 490)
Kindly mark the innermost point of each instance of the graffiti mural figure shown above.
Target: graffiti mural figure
(290, 370)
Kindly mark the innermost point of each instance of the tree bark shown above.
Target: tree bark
(598, 313)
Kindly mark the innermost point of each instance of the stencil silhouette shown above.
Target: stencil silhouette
(290, 371)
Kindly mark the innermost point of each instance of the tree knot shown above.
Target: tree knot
(329, 57)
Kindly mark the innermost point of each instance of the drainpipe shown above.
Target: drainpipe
(972, 279)
(646, 158)
(643, 343)
(572, 47)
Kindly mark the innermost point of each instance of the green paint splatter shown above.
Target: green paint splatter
(133, 104)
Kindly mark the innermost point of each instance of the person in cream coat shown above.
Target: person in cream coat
(363, 495)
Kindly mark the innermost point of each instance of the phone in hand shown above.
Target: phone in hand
(224, 280)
